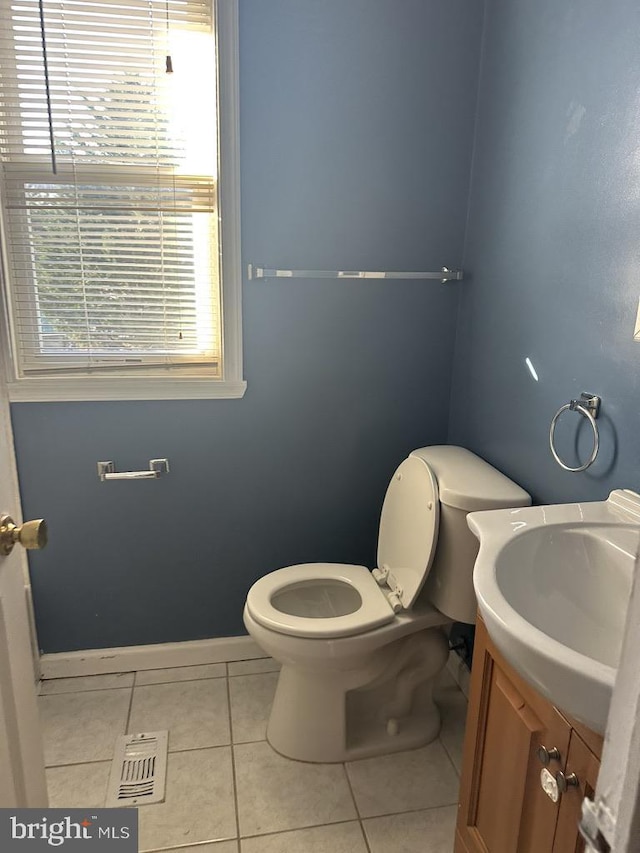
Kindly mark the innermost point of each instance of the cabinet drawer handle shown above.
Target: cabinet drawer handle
(546, 756)
(566, 782)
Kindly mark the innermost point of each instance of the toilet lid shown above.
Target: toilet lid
(409, 527)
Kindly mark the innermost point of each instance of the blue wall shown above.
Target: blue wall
(553, 245)
(357, 123)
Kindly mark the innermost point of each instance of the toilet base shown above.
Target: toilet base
(383, 705)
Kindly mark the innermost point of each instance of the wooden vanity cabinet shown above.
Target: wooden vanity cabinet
(503, 808)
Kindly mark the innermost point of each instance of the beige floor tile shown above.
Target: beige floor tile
(78, 786)
(334, 838)
(430, 831)
(276, 794)
(82, 726)
(195, 712)
(199, 804)
(453, 707)
(86, 682)
(404, 781)
(180, 673)
(251, 697)
(251, 667)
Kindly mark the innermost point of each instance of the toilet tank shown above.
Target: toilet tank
(466, 483)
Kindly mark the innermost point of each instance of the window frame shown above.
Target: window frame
(159, 383)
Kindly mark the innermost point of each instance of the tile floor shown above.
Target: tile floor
(227, 790)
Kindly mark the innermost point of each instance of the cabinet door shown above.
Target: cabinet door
(585, 765)
(503, 808)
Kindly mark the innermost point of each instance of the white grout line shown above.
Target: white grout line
(233, 763)
(253, 674)
(355, 805)
(130, 707)
(365, 837)
(411, 811)
(181, 681)
(298, 828)
(79, 763)
(190, 845)
(154, 683)
(89, 690)
(135, 684)
(353, 796)
(349, 820)
(171, 752)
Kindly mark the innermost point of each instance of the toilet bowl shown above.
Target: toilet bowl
(360, 649)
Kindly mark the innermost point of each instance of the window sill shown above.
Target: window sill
(94, 388)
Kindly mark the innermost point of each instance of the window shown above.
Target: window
(120, 208)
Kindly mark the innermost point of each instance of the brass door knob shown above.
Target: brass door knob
(31, 534)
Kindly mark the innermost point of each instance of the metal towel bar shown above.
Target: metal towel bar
(257, 272)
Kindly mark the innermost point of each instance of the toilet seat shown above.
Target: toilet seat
(331, 600)
(316, 588)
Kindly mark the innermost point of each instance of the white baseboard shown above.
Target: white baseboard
(460, 672)
(160, 656)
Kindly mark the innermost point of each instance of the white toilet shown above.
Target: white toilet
(360, 650)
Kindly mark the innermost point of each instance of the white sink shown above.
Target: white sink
(553, 586)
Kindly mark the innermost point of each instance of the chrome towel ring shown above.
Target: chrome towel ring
(589, 407)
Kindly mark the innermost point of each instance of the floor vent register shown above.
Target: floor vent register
(139, 770)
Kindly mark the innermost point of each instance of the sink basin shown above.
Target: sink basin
(553, 585)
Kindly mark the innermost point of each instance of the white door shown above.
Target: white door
(22, 779)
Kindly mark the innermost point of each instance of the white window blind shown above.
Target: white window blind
(109, 168)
